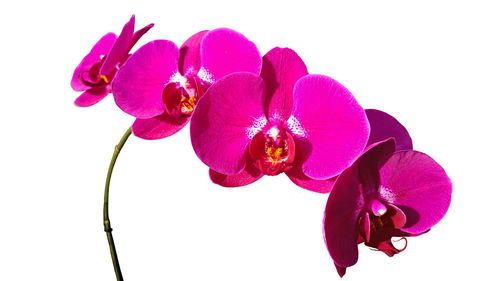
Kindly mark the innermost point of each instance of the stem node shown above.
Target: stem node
(106, 220)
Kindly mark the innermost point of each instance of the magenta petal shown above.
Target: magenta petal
(366, 226)
(340, 270)
(137, 35)
(342, 210)
(329, 124)
(281, 68)
(388, 248)
(244, 178)
(398, 218)
(225, 51)
(101, 48)
(249, 175)
(419, 186)
(377, 208)
(369, 163)
(190, 54)
(383, 126)
(226, 118)
(299, 178)
(158, 127)
(120, 48)
(92, 96)
(138, 85)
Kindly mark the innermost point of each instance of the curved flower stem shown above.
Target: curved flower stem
(107, 222)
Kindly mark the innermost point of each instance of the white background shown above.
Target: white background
(435, 65)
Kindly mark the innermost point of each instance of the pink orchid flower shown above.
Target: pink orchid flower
(386, 193)
(286, 120)
(161, 84)
(97, 69)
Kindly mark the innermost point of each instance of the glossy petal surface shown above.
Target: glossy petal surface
(224, 51)
(329, 124)
(383, 126)
(190, 54)
(281, 68)
(341, 217)
(120, 48)
(101, 48)
(225, 120)
(158, 127)
(139, 83)
(417, 185)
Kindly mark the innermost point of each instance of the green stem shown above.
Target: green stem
(107, 222)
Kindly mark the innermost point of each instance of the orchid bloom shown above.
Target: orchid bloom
(161, 84)
(97, 69)
(386, 193)
(308, 126)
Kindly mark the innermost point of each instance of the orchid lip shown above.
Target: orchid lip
(92, 78)
(273, 151)
(181, 95)
(379, 224)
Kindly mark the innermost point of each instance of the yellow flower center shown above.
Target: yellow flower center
(274, 154)
(104, 78)
(188, 104)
